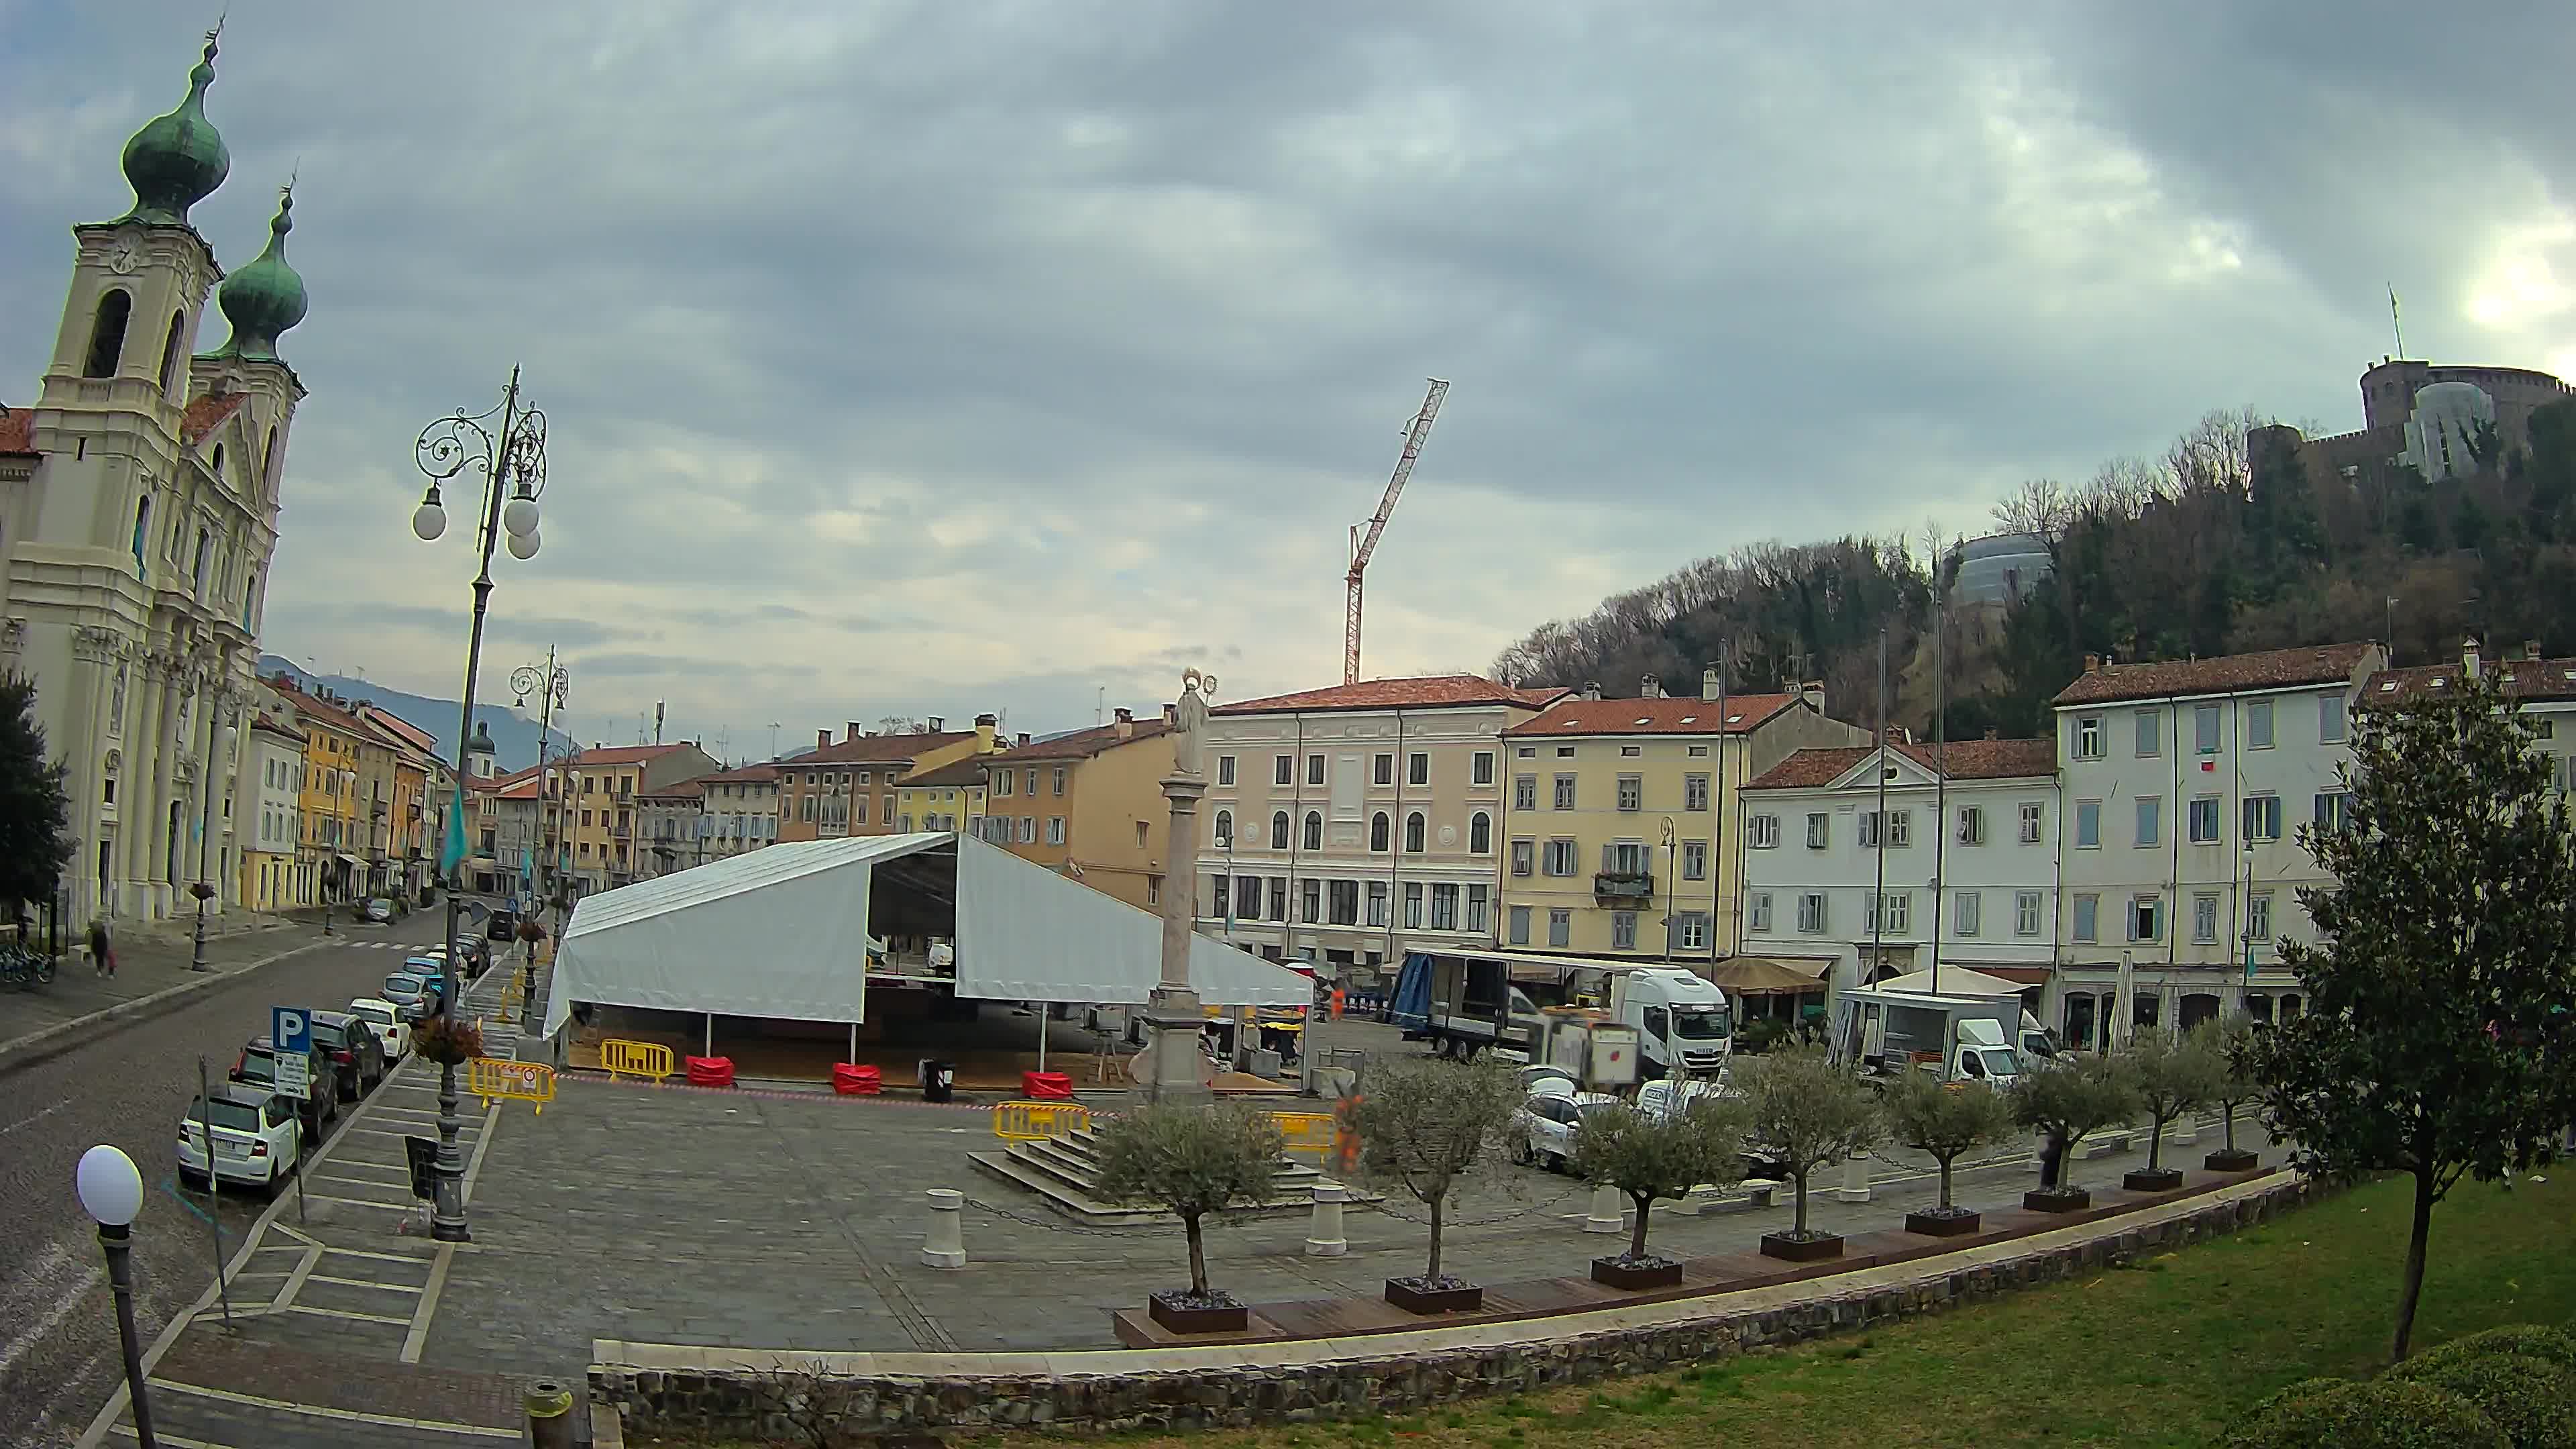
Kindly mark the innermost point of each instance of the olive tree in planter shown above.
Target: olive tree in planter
(2236, 1087)
(2064, 1101)
(1946, 1119)
(1660, 1155)
(2170, 1075)
(1192, 1161)
(1807, 1113)
(1423, 1124)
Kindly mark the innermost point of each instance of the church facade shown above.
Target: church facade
(138, 517)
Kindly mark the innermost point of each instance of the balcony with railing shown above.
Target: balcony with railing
(1623, 885)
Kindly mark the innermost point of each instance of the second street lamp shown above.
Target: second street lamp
(507, 445)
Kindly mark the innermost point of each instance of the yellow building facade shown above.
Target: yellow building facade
(943, 797)
(1090, 806)
(1621, 824)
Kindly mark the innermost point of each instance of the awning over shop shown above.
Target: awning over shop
(782, 933)
(350, 861)
(1955, 981)
(1768, 975)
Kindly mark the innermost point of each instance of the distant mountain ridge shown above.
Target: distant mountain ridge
(514, 736)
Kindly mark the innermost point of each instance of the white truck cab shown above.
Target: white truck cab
(1685, 1025)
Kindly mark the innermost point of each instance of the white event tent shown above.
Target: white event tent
(782, 933)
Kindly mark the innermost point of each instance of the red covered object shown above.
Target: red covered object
(710, 1071)
(853, 1080)
(1046, 1086)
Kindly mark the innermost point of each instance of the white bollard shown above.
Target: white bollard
(1609, 1211)
(1324, 1230)
(2185, 1132)
(2038, 1157)
(1855, 1186)
(944, 1245)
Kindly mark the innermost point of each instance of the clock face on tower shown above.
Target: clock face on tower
(124, 258)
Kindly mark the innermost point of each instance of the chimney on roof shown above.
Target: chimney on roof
(1592, 689)
(822, 739)
(2469, 656)
(938, 724)
(1709, 687)
(1993, 734)
(1126, 724)
(1171, 714)
(2092, 663)
(1813, 692)
(987, 726)
(2531, 649)
(852, 730)
(1022, 738)
(1650, 688)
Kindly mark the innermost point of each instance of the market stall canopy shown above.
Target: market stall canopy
(1768, 975)
(782, 933)
(1955, 981)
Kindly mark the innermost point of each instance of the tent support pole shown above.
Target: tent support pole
(1042, 1023)
(711, 1033)
(854, 1041)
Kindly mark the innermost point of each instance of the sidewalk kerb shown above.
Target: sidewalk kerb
(46, 1043)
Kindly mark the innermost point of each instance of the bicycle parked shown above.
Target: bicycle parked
(23, 968)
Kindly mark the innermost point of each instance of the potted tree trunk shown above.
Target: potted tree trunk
(1193, 1161)
(1945, 1120)
(2064, 1101)
(2236, 1087)
(1423, 1123)
(1807, 1113)
(2170, 1075)
(1647, 1157)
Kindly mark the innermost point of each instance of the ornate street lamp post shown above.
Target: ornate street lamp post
(553, 683)
(111, 1192)
(507, 445)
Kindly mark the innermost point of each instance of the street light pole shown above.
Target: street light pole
(553, 685)
(513, 463)
(111, 1192)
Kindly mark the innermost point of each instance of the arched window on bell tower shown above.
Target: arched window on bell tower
(107, 333)
(170, 352)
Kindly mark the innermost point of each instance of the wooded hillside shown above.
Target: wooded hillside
(2201, 550)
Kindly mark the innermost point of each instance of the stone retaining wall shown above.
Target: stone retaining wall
(772, 1394)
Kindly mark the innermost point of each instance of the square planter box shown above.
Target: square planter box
(1941, 1225)
(1412, 1297)
(2162, 1179)
(2238, 1160)
(1182, 1313)
(1637, 1277)
(2056, 1200)
(1801, 1250)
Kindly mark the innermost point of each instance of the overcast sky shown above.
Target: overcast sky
(935, 358)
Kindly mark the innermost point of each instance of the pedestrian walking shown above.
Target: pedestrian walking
(102, 952)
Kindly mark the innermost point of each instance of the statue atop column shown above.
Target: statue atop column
(1189, 715)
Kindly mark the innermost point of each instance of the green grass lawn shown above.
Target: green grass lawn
(2162, 1353)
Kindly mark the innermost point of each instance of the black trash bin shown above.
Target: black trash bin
(938, 1080)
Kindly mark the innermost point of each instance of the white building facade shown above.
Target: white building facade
(2184, 784)
(272, 813)
(138, 511)
(740, 810)
(1310, 819)
(1962, 866)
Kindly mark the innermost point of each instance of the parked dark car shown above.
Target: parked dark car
(357, 1058)
(501, 926)
(257, 1064)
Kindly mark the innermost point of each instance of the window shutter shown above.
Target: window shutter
(1609, 857)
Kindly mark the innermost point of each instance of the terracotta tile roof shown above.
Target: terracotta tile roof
(412, 734)
(876, 749)
(1964, 759)
(207, 414)
(1432, 692)
(623, 754)
(1572, 716)
(275, 726)
(17, 431)
(747, 775)
(329, 715)
(501, 784)
(2272, 669)
(968, 771)
(2524, 679)
(525, 789)
(1082, 744)
(677, 790)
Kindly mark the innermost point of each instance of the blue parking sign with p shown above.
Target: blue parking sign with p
(291, 1027)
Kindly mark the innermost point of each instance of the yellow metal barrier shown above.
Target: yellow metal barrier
(648, 1059)
(1305, 1131)
(1033, 1121)
(493, 1079)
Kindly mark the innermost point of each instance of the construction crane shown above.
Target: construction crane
(1363, 548)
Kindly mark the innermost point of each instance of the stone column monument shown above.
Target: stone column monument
(1175, 1070)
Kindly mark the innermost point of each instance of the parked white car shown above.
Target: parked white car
(258, 1138)
(1542, 1132)
(385, 1020)
(1546, 1081)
